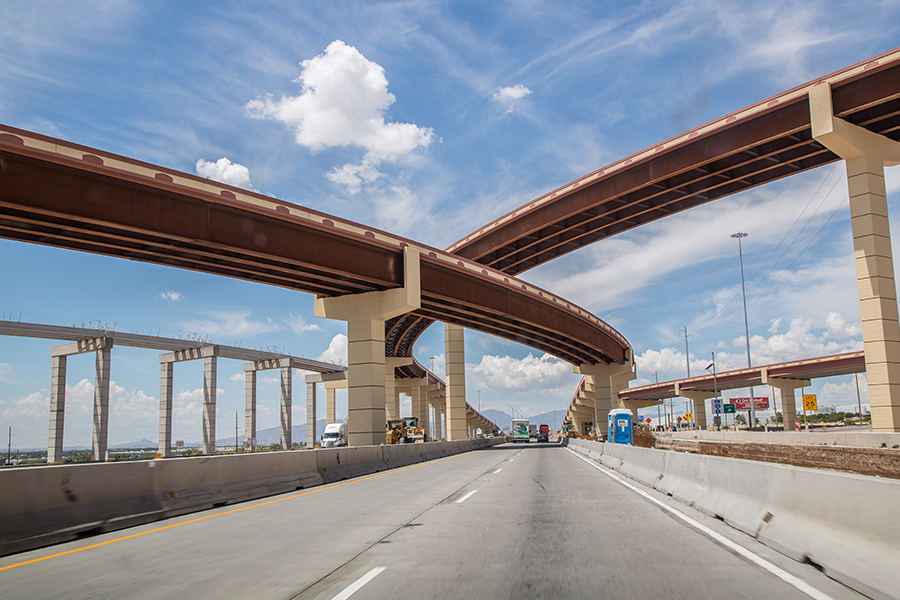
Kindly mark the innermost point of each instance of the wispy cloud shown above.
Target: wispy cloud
(299, 325)
(230, 323)
(170, 295)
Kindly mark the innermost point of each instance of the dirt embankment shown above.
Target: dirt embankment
(863, 461)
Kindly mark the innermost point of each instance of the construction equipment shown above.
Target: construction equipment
(404, 431)
(412, 432)
(394, 431)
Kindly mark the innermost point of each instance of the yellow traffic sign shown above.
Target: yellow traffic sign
(809, 402)
(688, 416)
(679, 419)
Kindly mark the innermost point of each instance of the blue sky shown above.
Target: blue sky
(428, 119)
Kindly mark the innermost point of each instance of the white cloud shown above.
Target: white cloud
(237, 377)
(509, 95)
(225, 171)
(299, 325)
(543, 374)
(802, 340)
(337, 350)
(170, 295)
(343, 102)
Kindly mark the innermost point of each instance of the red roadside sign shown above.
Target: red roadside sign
(761, 403)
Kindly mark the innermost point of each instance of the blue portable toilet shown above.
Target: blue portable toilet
(620, 426)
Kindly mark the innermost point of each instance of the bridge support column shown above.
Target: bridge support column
(699, 398)
(365, 315)
(101, 403)
(310, 415)
(210, 368)
(788, 396)
(866, 154)
(604, 383)
(166, 390)
(287, 390)
(57, 409)
(249, 408)
(391, 386)
(455, 365)
(332, 380)
(103, 349)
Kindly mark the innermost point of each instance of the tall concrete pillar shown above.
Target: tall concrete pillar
(455, 367)
(101, 404)
(209, 402)
(330, 395)
(250, 407)
(365, 315)
(310, 415)
(866, 154)
(788, 396)
(287, 378)
(57, 409)
(391, 397)
(166, 390)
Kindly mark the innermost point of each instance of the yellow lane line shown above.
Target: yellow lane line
(227, 512)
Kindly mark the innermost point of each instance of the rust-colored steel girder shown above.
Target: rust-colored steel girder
(750, 147)
(64, 195)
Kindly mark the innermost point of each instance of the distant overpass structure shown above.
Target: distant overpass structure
(101, 342)
(787, 377)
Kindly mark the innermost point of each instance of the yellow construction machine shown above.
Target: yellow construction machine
(394, 431)
(404, 431)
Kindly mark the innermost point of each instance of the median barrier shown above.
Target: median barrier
(335, 464)
(57, 503)
(202, 482)
(51, 504)
(844, 524)
(401, 455)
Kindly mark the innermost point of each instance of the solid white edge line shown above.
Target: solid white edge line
(755, 559)
(464, 498)
(356, 585)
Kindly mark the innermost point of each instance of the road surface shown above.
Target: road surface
(514, 521)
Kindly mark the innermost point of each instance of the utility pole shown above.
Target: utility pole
(9, 447)
(746, 325)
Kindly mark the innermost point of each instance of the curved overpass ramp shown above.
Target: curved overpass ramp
(61, 194)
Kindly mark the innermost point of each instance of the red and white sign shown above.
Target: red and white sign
(744, 403)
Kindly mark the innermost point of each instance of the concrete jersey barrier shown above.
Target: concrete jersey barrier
(843, 523)
(50, 504)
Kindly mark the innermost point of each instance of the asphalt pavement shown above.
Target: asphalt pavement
(513, 521)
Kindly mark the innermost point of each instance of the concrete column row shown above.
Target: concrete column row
(102, 347)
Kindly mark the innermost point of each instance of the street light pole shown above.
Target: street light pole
(432, 364)
(746, 325)
(479, 400)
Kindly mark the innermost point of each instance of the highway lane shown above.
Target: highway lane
(527, 521)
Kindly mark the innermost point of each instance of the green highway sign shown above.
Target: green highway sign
(729, 408)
